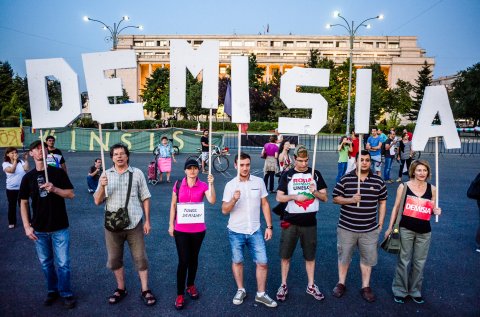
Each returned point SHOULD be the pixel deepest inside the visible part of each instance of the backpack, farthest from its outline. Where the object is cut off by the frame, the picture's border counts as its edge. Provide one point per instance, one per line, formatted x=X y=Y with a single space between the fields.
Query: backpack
x=473 y=190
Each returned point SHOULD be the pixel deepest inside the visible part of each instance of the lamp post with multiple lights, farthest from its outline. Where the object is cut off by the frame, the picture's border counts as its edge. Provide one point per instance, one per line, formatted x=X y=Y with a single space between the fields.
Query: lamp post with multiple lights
x=352 y=31
x=114 y=33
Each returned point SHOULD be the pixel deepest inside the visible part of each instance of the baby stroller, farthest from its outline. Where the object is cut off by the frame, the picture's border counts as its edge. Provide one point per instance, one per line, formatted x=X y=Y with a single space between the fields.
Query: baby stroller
x=152 y=171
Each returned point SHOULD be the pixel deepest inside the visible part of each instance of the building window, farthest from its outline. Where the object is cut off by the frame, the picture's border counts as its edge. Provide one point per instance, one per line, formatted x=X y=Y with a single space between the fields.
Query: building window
x=327 y=44
x=261 y=54
x=368 y=44
x=149 y=43
x=274 y=54
x=314 y=44
x=197 y=42
x=276 y=44
x=224 y=43
x=341 y=44
x=262 y=43
x=148 y=54
x=288 y=43
x=302 y=44
x=356 y=44
x=381 y=45
x=138 y=43
x=393 y=45
x=249 y=43
x=163 y=43
x=237 y=43
x=301 y=54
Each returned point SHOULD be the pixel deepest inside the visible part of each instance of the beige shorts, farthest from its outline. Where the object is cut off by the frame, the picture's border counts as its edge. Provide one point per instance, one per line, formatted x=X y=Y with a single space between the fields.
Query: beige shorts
x=366 y=242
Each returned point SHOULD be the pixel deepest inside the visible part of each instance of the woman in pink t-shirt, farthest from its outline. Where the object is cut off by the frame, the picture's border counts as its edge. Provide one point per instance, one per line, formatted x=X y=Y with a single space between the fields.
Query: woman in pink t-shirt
x=189 y=233
x=270 y=153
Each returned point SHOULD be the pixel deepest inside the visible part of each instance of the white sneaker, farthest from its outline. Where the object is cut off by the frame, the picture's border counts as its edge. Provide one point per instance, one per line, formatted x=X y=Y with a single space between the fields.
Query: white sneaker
x=239 y=296
x=315 y=292
x=266 y=300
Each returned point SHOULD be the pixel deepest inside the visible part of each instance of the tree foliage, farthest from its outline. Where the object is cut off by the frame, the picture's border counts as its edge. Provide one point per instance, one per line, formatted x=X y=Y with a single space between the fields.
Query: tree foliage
x=156 y=92
x=423 y=80
x=466 y=94
x=13 y=96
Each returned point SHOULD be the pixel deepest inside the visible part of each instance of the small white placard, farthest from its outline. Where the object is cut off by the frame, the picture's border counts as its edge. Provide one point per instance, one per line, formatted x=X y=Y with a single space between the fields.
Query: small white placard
x=190 y=213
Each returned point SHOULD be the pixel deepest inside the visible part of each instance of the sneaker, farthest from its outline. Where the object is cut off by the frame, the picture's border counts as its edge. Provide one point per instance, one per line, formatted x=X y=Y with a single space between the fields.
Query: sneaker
x=13 y=226
x=179 y=302
x=282 y=293
x=399 y=299
x=192 y=292
x=399 y=180
x=69 y=302
x=389 y=181
x=418 y=300
x=315 y=292
x=51 y=298
x=266 y=300
x=91 y=191
x=477 y=250
x=239 y=296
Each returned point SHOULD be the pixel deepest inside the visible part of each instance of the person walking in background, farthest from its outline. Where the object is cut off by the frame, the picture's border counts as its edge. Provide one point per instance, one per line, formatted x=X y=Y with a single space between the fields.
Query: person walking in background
x=285 y=161
x=165 y=154
x=48 y=225
x=357 y=225
x=204 y=145
x=374 y=146
x=270 y=153
x=404 y=154
x=15 y=169
x=117 y=178
x=94 y=175
x=415 y=231
x=344 y=148
x=243 y=198
x=189 y=236
x=390 y=152
x=355 y=144
x=54 y=156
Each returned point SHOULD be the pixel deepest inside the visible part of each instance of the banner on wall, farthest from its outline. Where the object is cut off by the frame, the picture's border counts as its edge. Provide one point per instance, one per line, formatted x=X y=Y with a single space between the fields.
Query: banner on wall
x=79 y=139
x=11 y=137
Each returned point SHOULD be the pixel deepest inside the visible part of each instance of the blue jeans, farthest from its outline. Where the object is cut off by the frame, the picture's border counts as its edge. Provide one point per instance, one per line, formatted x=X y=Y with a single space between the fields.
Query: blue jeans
x=254 y=242
x=92 y=182
x=342 y=168
x=387 y=168
x=55 y=246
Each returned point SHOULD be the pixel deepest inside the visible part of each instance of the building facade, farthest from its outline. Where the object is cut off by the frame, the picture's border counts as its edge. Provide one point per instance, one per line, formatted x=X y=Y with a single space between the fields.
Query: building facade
x=399 y=56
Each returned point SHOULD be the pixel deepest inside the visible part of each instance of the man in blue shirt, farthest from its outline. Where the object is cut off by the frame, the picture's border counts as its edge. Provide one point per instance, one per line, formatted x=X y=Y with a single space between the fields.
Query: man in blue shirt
x=374 y=146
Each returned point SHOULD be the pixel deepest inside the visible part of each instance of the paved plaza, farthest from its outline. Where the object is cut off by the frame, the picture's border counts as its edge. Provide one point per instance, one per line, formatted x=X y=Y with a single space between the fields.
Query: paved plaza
x=451 y=286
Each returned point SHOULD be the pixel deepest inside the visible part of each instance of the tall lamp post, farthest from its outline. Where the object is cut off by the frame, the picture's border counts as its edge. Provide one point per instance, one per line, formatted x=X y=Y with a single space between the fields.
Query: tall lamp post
x=114 y=33
x=352 y=31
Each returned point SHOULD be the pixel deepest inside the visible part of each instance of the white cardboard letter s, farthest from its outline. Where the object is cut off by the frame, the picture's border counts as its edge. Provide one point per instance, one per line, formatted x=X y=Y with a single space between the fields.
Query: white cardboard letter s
x=42 y=116
x=100 y=88
x=435 y=100
x=298 y=76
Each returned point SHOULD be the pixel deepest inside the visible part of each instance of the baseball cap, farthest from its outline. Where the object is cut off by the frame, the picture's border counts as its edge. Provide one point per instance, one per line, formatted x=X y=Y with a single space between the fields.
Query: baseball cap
x=35 y=144
x=191 y=163
x=300 y=148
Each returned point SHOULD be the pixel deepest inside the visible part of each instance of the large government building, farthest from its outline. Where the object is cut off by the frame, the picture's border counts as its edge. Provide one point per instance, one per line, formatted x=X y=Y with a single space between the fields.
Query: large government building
x=399 y=56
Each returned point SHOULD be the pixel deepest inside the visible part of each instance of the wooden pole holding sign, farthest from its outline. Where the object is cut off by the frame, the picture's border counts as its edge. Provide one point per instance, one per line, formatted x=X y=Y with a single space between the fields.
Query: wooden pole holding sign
x=239 y=149
x=359 y=162
x=44 y=156
x=436 y=176
x=210 y=163
x=102 y=154
x=314 y=156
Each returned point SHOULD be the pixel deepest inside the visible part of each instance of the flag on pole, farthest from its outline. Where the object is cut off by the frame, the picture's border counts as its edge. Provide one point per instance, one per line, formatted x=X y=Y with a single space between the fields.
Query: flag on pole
x=227 y=104
x=268 y=27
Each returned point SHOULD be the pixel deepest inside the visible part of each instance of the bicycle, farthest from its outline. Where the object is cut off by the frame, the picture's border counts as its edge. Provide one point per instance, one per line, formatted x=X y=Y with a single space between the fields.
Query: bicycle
x=219 y=158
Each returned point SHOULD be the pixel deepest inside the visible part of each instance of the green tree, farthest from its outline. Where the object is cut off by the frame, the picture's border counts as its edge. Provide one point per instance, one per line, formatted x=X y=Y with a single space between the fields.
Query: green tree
x=423 y=80
x=398 y=102
x=156 y=92
x=466 y=94
x=194 y=98
x=260 y=98
x=6 y=83
x=379 y=101
x=54 y=90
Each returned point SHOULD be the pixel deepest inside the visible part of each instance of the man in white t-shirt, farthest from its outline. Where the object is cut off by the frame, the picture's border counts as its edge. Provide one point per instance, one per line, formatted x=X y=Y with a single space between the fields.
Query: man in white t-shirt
x=242 y=198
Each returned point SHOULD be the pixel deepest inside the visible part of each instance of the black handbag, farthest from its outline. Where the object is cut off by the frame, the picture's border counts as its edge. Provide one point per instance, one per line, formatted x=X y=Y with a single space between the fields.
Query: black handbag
x=391 y=243
x=118 y=220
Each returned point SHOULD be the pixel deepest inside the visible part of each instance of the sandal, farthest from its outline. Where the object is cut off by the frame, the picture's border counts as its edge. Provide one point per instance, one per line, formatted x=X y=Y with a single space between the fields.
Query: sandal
x=148 y=298
x=117 y=296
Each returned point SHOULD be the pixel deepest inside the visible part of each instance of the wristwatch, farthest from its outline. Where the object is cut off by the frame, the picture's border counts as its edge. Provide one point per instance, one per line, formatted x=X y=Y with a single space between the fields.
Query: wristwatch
x=270 y=227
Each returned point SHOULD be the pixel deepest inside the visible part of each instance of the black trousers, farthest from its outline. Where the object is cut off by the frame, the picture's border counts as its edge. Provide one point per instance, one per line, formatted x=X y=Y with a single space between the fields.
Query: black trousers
x=12 y=197
x=402 y=164
x=188 y=248
x=269 y=176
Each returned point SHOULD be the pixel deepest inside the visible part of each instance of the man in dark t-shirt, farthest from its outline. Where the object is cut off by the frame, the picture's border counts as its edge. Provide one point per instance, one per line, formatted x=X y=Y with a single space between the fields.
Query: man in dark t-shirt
x=204 y=143
x=54 y=156
x=302 y=191
x=48 y=226
x=94 y=175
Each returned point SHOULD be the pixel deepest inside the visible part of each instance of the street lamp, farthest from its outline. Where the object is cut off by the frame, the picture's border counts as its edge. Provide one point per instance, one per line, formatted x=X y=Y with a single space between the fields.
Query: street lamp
x=114 y=33
x=352 y=31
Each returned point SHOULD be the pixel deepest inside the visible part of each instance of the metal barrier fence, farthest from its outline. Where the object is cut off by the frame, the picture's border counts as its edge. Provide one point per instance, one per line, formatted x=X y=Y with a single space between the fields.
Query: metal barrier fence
x=329 y=143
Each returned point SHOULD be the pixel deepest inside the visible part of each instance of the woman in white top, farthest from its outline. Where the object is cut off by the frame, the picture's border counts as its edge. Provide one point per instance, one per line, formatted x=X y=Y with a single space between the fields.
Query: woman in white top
x=15 y=169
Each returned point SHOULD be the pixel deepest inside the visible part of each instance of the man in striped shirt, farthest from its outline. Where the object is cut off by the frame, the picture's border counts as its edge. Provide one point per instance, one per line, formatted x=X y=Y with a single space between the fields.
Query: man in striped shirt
x=358 y=226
